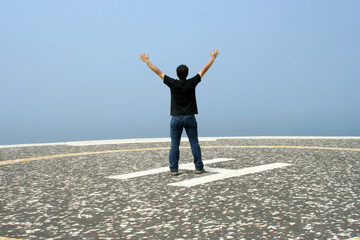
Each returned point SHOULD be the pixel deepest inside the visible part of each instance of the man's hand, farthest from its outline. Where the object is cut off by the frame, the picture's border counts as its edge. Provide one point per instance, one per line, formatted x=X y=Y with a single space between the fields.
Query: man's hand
x=214 y=53
x=143 y=56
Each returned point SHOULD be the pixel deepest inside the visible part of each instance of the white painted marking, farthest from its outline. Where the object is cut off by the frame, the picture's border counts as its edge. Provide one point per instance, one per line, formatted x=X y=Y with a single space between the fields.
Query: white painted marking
x=140 y=174
x=227 y=173
x=165 y=169
x=291 y=137
x=154 y=140
x=136 y=140
x=107 y=142
x=221 y=173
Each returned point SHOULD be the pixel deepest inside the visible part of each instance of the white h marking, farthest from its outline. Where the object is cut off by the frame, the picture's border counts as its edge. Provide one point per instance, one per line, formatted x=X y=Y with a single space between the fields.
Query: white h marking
x=221 y=173
x=164 y=169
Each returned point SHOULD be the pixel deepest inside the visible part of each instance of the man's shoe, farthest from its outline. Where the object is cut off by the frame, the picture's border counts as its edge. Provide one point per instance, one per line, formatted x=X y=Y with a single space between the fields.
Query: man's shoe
x=173 y=173
x=200 y=171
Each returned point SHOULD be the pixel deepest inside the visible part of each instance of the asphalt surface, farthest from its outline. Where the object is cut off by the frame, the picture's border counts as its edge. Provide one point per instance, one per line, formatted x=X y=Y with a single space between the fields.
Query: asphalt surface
x=65 y=190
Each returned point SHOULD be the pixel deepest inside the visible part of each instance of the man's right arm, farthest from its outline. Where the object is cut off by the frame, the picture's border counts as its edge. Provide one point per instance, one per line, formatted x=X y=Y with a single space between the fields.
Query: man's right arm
x=213 y=55
x=156 y=70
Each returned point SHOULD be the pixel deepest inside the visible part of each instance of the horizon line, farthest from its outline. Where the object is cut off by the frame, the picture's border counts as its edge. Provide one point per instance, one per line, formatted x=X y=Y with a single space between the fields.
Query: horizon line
x=152 y=140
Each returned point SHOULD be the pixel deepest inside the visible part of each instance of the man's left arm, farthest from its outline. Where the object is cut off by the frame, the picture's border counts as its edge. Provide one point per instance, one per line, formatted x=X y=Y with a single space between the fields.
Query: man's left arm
x=145 y=59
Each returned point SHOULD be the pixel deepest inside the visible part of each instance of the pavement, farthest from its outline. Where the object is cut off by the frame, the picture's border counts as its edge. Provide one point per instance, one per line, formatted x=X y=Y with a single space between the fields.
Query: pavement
x=254 y=188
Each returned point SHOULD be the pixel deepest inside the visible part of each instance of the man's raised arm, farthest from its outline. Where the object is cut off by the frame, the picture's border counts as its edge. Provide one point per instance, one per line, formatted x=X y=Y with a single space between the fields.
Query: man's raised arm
x=213 y=55
x=156 y=70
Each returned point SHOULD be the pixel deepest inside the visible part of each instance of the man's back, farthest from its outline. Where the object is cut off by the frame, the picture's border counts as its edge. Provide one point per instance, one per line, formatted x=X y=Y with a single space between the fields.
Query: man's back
x=183 y=96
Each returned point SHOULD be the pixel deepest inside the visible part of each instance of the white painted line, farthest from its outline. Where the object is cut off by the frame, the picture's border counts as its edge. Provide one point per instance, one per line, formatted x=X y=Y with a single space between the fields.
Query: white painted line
x=140 y=174
x=292 y=137
x=136 y=140
x=108 y=142
x=164 y=169
x=227 y=173
x=156 y=140
x=31 y=145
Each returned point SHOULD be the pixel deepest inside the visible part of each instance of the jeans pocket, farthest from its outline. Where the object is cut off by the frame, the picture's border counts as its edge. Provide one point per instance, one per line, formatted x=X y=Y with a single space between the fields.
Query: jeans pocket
x=192 y=123
x=175 y=122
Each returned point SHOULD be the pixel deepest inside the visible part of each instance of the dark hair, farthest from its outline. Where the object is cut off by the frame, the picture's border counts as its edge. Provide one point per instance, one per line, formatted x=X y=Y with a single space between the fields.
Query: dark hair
x=182 y=71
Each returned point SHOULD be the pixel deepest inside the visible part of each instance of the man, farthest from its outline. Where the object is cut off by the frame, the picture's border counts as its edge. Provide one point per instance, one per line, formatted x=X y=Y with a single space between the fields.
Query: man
x=183 y=110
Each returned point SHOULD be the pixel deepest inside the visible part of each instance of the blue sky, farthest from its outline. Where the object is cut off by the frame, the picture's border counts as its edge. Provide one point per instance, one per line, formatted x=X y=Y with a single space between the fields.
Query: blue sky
x=70 y=69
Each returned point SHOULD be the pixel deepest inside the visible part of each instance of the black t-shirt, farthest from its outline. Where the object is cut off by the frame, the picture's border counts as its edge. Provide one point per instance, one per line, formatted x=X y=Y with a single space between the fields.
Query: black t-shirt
x=183 y=98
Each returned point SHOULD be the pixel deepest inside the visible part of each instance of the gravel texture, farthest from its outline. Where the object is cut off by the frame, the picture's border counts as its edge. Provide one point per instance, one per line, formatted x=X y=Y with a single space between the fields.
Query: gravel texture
x=71 y=197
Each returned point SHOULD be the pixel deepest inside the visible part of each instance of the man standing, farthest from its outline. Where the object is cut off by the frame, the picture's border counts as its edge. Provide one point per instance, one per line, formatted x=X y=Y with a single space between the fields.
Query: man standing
x=183 y=110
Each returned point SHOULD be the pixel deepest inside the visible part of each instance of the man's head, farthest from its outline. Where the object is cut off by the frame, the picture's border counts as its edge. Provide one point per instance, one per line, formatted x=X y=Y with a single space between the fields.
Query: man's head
x=182 y=71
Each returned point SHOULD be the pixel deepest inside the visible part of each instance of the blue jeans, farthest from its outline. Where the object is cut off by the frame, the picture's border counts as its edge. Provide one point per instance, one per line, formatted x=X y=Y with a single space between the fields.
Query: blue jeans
x=177 y=124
